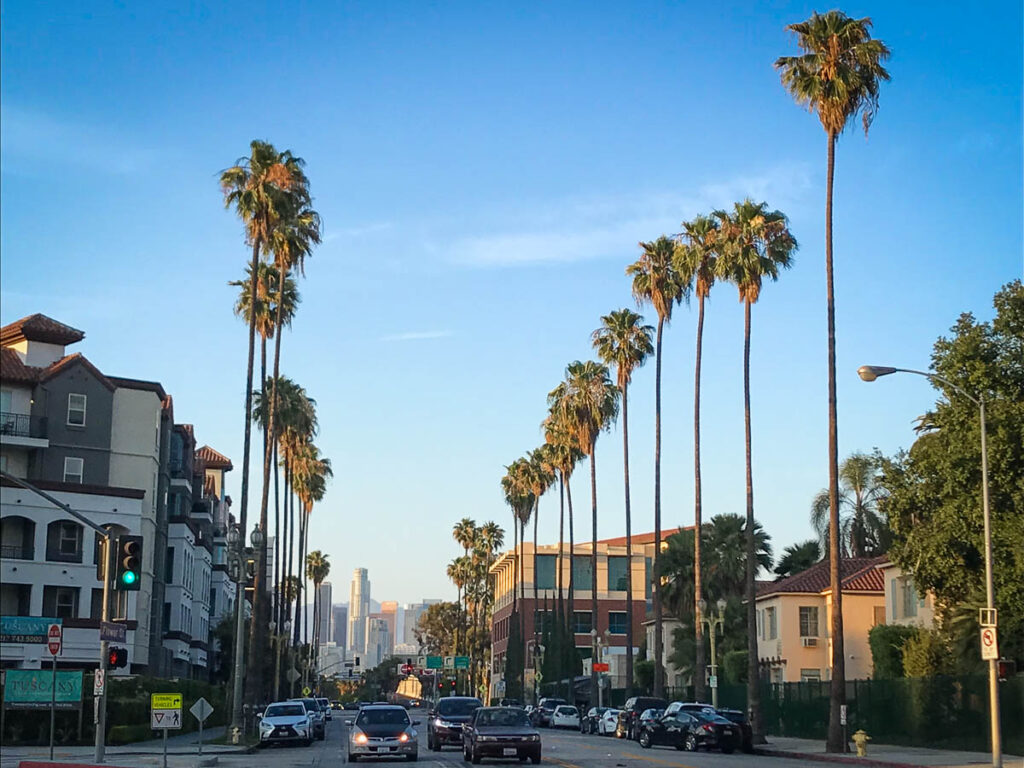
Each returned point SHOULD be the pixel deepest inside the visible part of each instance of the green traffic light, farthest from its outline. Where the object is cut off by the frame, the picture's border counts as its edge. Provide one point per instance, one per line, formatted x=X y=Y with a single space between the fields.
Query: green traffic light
x=129 y=577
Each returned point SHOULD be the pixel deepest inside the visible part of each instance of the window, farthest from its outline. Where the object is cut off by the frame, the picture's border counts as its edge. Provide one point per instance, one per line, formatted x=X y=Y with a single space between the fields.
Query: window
x=808 y=621
x=5 y=400
x=74 y=469
x=581 y=573
x=76 y=410
x=3 y=463
x=546 y=571
x=69 y=540
x=879 y=615
x=582 y=622
x=771 y=624
x=617 y=567
x=96 y=606
x=167 y=617
x=61 y=602
x=543 y=621
x=617 y=622
x=909 y=597
x=760 y=623
x=810 y=675
x=169 y=566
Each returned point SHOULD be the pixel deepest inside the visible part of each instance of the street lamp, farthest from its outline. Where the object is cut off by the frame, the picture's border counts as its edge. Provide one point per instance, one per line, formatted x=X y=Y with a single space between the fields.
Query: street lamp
x=597 y=643
x=713 y=622
x=872 y=372
x=236 y=567
x=278 y=639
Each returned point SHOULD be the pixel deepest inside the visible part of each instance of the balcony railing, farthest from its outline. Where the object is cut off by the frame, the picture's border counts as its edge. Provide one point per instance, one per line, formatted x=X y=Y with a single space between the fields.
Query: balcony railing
x=15 y=552
x=180 y=469
x=22 y=425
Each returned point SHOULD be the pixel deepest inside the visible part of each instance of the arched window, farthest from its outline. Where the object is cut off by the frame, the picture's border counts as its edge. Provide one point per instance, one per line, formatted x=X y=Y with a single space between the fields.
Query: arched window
x=17 y=538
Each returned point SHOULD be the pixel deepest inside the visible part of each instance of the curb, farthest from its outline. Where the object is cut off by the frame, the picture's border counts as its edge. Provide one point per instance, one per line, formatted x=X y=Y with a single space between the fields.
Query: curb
x=821 y=758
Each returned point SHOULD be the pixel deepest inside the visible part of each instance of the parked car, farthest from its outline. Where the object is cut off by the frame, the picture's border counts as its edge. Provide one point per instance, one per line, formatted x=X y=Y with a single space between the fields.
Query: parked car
x=545 y=707
x=676 y=729
x=285 y=722
x=606 y=725
x=688 y=706
x=449 y=714
x=716 y=732
x=740 y=719
x=588 y=723
x=382 y=731
x=325 y=707
x=510 y=703
x=650 y=715
x=501 y=732
x=629 y=718
x=565 y=716
x=316 y=716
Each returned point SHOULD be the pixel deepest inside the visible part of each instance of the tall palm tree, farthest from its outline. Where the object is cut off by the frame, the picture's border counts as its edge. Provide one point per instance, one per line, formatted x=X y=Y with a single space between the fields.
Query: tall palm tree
x=838 y=76
x=656 y=282
x=695 y=259
x=541 y=476
x=464 y=533
x=490 y=540
x=318 y=567
x=757 y=245
x=263 y=188
x=625 y=342
x=589 y=406
x=863 y=530
x=310 y=475
x=797 y=558
x=518 y=496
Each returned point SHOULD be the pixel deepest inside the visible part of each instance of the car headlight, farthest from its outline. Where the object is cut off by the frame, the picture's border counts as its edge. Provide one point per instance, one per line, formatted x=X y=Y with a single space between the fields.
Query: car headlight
x=533 y=737
x=403 y=737
x=265 y=726
x=359 y=737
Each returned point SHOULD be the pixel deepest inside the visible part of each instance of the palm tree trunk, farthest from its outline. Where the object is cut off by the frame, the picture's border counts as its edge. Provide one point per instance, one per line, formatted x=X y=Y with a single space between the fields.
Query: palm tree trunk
x=561 y=621
x=278 y=614
x=698 y=677
x=837 y=686
x=659 y=641
x=753 y=679
x=570 y=613
x=593 y=569
x=515 y=561
x=536 y=512
x=629 y=545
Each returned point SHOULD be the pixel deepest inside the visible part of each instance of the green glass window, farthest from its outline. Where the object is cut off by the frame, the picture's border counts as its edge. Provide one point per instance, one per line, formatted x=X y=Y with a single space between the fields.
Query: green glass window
x=617 y=622
x=617 y=567
x=546 y=571
x=582 y=622
x=581 y=573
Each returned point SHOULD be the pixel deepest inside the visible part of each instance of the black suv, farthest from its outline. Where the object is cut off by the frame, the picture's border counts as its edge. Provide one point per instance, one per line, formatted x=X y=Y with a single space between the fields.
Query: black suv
x=448 y=715
x=629 y=718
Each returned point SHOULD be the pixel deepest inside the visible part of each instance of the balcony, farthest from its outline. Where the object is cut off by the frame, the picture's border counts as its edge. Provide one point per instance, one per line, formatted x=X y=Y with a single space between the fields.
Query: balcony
x=23 y=429
x=16 y=552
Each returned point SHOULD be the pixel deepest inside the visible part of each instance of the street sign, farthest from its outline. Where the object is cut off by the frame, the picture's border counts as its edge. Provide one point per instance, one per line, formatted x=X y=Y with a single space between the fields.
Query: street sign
x=713 y=681
x=406 y=669
x=112 y=632
x=306 y=690
x=988 y=617
x=98 y=680
x=421 y=662
x=462 y=662
x=539 y=677
x=201 y=710
x=292 y=675
x=54 y=639
x=600 y=666
x=842 y=714
x=449 y=662
x=165 y=701
x=434 y=662
x=163 y=719
x=989 y=644
x=33 y=689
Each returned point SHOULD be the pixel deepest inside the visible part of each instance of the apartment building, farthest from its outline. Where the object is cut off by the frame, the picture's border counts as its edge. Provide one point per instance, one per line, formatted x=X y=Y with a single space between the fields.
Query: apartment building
x=794 y=619
x=903 y=603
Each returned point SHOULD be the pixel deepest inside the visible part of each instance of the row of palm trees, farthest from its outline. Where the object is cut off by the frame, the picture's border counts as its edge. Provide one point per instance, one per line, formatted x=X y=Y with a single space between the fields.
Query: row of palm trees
x=270 y=193
x=837 y=76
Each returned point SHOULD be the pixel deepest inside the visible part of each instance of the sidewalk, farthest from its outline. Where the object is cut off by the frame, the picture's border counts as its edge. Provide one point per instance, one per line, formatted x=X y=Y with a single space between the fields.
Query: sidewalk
x=882 y=755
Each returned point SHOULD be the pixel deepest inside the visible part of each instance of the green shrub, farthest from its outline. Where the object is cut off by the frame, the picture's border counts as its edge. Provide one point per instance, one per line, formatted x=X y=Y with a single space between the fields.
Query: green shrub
x=925 y=655
x=127 y=734
x=887 y=643
x=734 y=667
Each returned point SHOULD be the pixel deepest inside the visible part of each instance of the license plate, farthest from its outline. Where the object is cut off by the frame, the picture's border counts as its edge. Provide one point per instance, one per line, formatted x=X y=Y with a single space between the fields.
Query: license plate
x=509 y=751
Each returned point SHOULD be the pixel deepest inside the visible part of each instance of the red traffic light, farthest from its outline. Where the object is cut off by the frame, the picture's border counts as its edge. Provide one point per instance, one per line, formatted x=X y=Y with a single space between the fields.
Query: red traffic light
x=1006 y=668
x=117 y=658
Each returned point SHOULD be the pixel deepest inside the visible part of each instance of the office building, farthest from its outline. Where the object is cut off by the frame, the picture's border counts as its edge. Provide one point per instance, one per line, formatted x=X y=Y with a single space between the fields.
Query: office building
x=358 y=610
x=325 y=613
x=340 y=636
x=378 y=641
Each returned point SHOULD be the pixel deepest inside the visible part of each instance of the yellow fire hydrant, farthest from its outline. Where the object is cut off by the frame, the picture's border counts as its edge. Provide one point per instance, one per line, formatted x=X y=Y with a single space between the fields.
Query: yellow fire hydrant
x=861 y=739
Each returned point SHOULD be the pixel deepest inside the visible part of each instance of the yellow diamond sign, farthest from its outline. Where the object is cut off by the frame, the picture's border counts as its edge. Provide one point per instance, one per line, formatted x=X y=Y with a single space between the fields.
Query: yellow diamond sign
x=165 y=701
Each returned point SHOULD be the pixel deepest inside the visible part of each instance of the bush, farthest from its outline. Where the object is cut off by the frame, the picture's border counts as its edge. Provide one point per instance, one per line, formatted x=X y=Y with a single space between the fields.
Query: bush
x=888 y=643
x=925 y=655
x=126 y=734
x=734 y=667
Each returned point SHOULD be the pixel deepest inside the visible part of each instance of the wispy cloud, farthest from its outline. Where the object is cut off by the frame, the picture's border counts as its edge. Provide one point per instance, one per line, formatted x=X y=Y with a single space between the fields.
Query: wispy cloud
x=593 y=228
x=417 y=336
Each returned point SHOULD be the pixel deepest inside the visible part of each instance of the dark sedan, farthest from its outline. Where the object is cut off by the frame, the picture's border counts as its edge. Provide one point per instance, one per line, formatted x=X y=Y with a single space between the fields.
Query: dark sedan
x=678 y=729
x=444 y=725
x=740 y=719
x=715 y=732
x=500 y=732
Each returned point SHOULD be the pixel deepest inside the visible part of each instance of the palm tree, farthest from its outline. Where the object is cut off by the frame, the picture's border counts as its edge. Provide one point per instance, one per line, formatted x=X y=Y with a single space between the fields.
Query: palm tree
x=863 y=531
x=838 y=76
x=311 y=471
x=757 y=244
x=317 y=569
x=540 y=477
x=798 y=557
x=623 y=341
x=490 y=539
x=464 y=533
x=589 y=406
x=656 y=282
x=695 y=260
x=519 y=497
x=262 y=188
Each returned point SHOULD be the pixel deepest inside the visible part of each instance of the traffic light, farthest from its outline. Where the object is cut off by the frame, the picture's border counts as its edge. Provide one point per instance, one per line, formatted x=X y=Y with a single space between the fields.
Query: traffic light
x=117 y=658
x=440 y=685
x=1006 y=668
x=128 y=570
x=453 y=687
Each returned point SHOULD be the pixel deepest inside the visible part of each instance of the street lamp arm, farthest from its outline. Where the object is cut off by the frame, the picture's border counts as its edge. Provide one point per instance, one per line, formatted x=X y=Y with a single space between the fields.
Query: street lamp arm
x=871 y=372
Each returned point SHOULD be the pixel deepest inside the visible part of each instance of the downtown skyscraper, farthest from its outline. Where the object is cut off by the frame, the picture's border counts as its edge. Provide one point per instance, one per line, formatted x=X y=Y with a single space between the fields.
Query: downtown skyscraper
x=358 y=610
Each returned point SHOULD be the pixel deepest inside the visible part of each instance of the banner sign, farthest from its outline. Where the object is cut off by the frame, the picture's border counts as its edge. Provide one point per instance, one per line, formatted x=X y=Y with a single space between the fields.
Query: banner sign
x=30 y=689
x=25 y=629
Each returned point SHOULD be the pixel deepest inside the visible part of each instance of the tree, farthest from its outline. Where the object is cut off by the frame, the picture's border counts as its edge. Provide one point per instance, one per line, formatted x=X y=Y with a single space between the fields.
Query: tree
x=318 y=567
x=435 y=630
x=540 y=477
x=656 y=282
x=838 y=76
x=589 y=405
x=756 y=244
x=623 y=341
x=695 y=259
x=934 y=501
x=863 y=531
x=310 y=475
x=798 y=557
x=516 y=488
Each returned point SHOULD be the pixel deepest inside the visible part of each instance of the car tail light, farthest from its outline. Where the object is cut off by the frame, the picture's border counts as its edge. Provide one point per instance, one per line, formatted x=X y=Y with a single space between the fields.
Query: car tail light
x=708 y=729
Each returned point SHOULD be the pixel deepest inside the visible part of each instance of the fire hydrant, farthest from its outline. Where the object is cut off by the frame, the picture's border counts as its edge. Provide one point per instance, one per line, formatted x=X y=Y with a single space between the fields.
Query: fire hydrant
x=861 y=739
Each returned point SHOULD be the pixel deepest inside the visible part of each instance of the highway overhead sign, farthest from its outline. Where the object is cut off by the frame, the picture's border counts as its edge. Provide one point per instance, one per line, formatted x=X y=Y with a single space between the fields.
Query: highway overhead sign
x=434 y=662
x=449 y=662
x=989 y=644
x=462 y=662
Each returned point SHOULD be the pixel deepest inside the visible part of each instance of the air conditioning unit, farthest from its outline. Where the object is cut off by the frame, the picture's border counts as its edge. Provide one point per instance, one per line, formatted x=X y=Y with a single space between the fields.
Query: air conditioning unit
x=810 y=642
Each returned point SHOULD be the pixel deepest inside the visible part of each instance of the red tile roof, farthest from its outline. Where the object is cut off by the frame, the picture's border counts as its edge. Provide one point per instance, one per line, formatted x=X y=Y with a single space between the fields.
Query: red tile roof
x=213 y=459
x=12 y=370
x=39 y=327
x=148 y=386
x=639 y=538
x=76 y=359
x=857 y=574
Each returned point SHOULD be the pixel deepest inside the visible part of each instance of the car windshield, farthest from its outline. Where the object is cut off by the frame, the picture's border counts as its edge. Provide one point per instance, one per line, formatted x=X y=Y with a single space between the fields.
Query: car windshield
x=382 y=717
x=736 y=717
x=566 y=710
x=458 y=707
x=310 y=705
x=285 y=710
x=507 y=717
x=708 y=717
x=552 y=703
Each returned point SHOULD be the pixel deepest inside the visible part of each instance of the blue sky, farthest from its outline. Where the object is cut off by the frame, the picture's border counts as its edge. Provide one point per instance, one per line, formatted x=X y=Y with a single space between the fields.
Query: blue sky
x=484 y=172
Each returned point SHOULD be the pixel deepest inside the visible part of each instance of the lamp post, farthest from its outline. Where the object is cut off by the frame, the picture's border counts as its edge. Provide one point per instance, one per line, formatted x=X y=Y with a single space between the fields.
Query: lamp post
x=872 y=372
x=236 y=569
x=714 y=621
x=538 y=675
x=599 y=641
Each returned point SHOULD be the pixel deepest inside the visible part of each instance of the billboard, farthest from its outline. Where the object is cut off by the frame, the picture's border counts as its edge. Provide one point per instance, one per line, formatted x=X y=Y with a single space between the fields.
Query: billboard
x=30 y=688
x=25 y=629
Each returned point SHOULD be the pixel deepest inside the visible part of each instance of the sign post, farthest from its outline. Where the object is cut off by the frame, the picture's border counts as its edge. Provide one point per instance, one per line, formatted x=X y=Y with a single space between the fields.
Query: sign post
x=989 y=644
x=54 y=640
x=164 y=714
x=200 y=711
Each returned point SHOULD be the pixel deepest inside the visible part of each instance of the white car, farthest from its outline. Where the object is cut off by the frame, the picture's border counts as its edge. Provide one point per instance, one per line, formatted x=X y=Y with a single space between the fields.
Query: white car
x=607 y=723
x=565 y=716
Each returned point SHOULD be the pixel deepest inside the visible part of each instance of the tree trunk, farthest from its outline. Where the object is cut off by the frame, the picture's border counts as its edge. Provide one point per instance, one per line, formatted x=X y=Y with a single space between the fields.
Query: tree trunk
x=629 y=544
x=515 y=561
x=571 y=610
x=753 y=678
x=536 y=514
x=560 y=564
x=278 y=613
x=698 y=677
x=837 y=686
x=659 y=640
x=593 y=571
